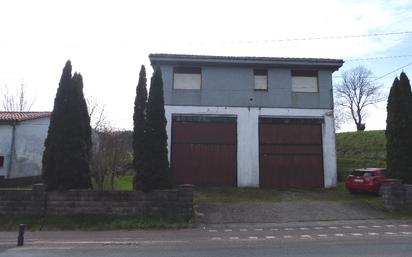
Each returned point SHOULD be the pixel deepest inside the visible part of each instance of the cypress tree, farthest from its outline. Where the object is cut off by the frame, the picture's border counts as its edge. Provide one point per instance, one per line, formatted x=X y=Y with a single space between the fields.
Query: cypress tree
x=139 y=118
x=156 y=172
x=67 y=146
x=398 y=130
x=81 y=124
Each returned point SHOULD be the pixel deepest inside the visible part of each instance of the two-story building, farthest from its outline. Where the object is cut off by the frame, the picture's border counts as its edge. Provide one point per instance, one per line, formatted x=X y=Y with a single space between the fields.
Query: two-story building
x=250 y=121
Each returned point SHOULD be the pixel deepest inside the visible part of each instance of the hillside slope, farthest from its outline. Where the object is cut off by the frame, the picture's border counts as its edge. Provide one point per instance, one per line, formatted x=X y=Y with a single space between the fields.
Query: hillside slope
x=360 y=149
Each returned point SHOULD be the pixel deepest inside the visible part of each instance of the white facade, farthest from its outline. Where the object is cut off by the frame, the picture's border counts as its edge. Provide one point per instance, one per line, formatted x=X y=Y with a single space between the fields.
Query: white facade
x=248 y=136
x=23 y=155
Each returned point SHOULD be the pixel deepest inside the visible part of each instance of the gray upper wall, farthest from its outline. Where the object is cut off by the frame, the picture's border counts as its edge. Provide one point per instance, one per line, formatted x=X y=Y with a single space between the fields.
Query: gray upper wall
x=229 y=81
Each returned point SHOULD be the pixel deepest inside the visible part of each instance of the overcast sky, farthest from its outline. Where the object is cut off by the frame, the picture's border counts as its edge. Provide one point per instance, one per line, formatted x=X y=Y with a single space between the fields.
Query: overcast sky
x=107 y=41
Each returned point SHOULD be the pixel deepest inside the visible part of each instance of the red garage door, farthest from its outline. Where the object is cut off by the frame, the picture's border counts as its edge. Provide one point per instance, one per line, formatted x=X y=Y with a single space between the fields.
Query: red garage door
x=204 y=150
x=290 y=153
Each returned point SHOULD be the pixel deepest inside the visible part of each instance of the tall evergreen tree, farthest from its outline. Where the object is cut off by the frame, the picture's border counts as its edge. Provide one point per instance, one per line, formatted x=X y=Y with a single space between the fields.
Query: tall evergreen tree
x=67 y=146
x=398 y=130
x=139 y=118
x=156 y=172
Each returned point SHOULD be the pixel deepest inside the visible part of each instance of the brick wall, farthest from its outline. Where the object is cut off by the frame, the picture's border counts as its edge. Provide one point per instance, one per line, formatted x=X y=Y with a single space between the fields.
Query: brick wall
x=163 y=203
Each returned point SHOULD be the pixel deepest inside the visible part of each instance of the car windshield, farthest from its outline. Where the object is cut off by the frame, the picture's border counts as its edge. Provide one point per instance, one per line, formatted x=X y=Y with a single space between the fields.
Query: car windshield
x=362 y=173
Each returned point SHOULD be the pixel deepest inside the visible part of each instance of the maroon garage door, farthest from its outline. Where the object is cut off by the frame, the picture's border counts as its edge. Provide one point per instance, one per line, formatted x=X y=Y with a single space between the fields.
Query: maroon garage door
x=290 y=153
x=204 y=150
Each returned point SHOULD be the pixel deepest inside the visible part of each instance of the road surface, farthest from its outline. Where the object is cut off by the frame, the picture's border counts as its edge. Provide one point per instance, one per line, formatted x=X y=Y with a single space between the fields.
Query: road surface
x=346 y=238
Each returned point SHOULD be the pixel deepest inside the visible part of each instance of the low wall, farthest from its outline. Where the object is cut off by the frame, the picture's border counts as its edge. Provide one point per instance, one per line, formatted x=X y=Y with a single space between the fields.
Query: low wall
x=395 y=195
x=162 y=203
x=21 y=181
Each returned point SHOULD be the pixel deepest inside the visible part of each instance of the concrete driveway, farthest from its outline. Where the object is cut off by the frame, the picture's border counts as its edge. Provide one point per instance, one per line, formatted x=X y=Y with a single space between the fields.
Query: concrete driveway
x=285 y=211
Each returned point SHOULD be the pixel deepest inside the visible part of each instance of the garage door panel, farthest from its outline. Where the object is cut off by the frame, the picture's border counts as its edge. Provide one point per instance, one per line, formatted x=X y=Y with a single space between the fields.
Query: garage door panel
x=191 y=132
x=289 y=134
x=204 y=165
x=291 y=153
x=290 y=149
x=204 y=153
x=285 y=171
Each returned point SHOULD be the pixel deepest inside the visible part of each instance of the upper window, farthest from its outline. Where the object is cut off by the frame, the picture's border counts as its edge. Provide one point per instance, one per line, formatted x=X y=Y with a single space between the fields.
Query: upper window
x=305 y=81
x=261 y=79
x=187 y=78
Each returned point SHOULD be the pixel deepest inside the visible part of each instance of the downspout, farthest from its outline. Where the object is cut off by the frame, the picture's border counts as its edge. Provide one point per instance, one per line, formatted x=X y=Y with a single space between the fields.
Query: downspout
x=13 y=136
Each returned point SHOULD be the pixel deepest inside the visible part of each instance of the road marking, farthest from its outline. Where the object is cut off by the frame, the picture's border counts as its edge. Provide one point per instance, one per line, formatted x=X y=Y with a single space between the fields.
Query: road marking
x=303 y=228
x=340 y=235
x=233 y=238
x=332 y=227
x=318 y=228
x=403 y=225
x=389 y=233
x=356 y=234
x=228 y=230
x=270 y=237
x=373 y=234
x=253 y=237
x=377 y=226
x=288 y=236
x=243 y=229
x=390 y=226
x=288 y=229
x=347 y=226
x=322 y=235
x=274 y=229
x=362 y=227
x=406 y=233
x=216 y=238
x=258 y=229
x=212 y=230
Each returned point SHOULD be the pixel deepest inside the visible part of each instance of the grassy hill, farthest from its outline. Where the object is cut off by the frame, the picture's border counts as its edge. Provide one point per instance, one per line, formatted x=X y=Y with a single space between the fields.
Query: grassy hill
x=360 y=149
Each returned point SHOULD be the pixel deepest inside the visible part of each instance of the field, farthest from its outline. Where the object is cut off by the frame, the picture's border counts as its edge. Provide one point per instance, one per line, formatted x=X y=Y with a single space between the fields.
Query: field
x=360 y=149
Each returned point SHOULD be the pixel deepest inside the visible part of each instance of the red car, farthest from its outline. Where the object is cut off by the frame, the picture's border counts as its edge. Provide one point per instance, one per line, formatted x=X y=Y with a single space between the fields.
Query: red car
x=365 y=180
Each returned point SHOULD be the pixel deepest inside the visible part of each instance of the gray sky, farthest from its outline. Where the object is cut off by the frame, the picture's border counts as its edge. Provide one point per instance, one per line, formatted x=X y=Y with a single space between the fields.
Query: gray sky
x=107 y=41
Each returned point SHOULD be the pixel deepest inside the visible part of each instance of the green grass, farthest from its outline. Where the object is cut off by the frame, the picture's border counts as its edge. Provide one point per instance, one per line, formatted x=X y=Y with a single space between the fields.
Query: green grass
x=360 y=149
x=120 y=183
x=90 y=222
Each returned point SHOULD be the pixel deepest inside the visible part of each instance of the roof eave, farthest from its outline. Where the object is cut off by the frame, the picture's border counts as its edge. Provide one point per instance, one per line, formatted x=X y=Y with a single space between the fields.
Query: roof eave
x=308 y=63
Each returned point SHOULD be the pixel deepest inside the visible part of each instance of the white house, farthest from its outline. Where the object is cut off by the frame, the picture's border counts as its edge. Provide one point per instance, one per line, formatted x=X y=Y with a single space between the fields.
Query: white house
x=249 y=121
x=22 y=136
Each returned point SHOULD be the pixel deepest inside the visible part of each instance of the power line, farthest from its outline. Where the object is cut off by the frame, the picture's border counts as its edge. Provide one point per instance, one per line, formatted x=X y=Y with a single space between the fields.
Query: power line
x=377 y=58
x=386 y=74
x=315 y=38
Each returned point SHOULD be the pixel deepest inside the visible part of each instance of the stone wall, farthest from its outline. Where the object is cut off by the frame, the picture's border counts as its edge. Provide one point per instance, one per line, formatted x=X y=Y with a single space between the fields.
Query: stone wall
x=395 y=195
x=161 y=203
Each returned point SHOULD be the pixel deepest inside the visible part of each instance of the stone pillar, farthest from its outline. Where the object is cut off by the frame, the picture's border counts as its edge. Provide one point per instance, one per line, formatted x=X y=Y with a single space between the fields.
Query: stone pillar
x=393 y=194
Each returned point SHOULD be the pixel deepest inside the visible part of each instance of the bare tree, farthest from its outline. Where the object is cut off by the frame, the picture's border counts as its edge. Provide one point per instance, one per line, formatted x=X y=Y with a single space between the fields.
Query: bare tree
x=356 y=92
x=16 y=100
x=111 y=152
x=97 y=113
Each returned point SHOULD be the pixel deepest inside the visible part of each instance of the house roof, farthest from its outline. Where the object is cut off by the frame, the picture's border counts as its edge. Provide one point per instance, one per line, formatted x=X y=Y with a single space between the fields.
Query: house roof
x=183 y=59
x=22 y=116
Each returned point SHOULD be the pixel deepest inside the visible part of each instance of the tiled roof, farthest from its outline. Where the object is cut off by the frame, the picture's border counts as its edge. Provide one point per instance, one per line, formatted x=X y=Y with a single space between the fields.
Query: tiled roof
x=243 y=58
x=22 y=116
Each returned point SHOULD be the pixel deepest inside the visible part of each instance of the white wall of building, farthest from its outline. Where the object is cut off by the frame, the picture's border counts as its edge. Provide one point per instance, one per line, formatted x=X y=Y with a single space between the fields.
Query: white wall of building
x=5 y=143
x=248 y=136
x=28 y=147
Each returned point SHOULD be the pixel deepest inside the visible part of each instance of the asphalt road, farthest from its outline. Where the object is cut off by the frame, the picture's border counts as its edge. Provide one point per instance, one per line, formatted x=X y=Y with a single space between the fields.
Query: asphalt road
x=348 y=238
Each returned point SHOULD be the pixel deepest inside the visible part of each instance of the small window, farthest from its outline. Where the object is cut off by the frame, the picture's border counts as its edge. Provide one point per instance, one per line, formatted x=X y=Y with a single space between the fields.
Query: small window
x=261 y=79
x=305 y=81
x=187 y=78
x=1 y=161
